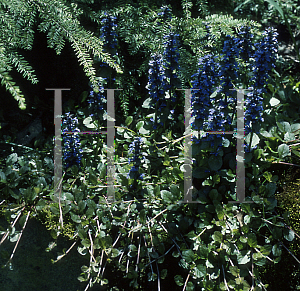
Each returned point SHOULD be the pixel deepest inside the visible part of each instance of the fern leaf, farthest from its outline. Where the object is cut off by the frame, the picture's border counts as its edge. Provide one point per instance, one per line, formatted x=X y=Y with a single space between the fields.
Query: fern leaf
x=22 y=66
x=6 y=80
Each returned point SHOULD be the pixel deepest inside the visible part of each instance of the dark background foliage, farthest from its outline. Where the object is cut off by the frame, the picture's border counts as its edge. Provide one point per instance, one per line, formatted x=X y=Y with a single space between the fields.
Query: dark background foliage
x=63 y=71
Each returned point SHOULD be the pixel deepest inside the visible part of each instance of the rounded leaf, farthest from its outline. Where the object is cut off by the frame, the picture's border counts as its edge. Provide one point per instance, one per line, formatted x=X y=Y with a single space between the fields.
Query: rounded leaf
x=215 y=163
x=179 y=280
x=283 y=151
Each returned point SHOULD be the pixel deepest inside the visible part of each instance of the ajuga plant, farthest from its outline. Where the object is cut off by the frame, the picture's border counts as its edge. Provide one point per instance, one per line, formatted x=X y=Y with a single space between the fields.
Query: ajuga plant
x=108 y=31
x=108 y=35
x=72 y=152
x=203 y=84
x=165 y=14
x=96 y=99
x=157 y=88
x=163 y=80
x=136 y=159
x=135 y=151
x=248 y=245
x=264 y=59
x=97 y=103
x=60 y=20
x=151 y=241
x=172 y=69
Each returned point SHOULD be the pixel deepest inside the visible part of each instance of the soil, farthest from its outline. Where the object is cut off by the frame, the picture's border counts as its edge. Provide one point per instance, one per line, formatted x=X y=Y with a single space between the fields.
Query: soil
x=32 y=268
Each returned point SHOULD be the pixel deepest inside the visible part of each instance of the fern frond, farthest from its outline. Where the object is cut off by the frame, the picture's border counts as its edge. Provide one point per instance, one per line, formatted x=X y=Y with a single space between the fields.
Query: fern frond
x=60 y=20
x=67 y=26
x=6 y=80
x=22 y=66
x=85 y=61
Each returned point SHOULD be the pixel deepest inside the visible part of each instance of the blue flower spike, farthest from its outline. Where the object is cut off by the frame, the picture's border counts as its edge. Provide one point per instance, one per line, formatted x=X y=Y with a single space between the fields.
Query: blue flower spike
x=72 y=153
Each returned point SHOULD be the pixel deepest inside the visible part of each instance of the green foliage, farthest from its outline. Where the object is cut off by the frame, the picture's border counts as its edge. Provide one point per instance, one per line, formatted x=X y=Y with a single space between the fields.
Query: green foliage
x=147 y=235
x=60 y=20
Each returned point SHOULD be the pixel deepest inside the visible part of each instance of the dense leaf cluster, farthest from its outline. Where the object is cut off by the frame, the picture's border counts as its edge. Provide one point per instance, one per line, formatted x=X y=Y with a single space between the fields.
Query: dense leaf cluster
x=147 y=237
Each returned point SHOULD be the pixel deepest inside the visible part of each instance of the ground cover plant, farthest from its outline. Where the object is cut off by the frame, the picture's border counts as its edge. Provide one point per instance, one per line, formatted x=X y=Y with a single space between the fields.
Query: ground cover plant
x=135 y=241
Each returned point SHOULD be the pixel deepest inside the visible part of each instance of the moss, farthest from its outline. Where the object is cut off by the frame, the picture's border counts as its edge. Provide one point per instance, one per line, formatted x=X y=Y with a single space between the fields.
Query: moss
x=289 y=200
x=51 y=221
x=285 y=275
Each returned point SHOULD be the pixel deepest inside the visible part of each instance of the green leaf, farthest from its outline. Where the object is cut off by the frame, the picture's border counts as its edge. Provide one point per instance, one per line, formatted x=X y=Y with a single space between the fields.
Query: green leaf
x=54 y=209
x=88 y=122
x=283 y=151
x=2 y=177
x=217 y=236
x=84 y=95
x=225 y=143
x=215 y=162
x=274 y=101
x=14 y=237
x=11 y=159
x=274 y=3
x=142 y=130
x=276 y=250
x=102 y=170
x=214 y=195
x=243 y=257
x=295 y=128
x=146 y=103
x=75 y=217
x=234 y=270
x=255 y=139
x=243 y=239
x=191 y=235
x=128 y=120
x=86 y=243
x=114 y=253
x=67 y=196
x=288 y=234
x=29 y=194
x=200 y=173
x=270 y=189
x=200 y=271
x=202 y=252
x=82 y=233
x=209 y=264
x=277 y=233
x=179 y=280
x=188 y=256
x=288 y=136
x=265 y=133
x=81 y=206
x=266 y=250
x=167 y=196
x=189 y=286
x=252 y=240
x=82 y=250
x=139 y=124
x=163 y=273
x=284 y=126
x=220 y=211
x=175 y=191
x=92 y=204
x=238 y=7
x=259 y=260
x=247 y=219
x=22 y=220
